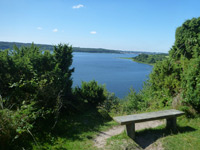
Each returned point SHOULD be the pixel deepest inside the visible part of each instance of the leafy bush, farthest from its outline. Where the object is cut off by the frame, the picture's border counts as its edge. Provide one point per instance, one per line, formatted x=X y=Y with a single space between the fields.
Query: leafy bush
x=187 y=40
x=15 y=126
x=191 y=84
x=166 y=77
x=178 y=74
x=36 y=87
x=111 y=103
x=90 y=93
x=133 y=102
x=30 y=74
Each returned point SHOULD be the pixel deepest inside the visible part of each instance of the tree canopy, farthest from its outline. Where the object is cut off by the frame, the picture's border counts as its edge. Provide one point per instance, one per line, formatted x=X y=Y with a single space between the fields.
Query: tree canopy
x=179 y=74
x=150 y=58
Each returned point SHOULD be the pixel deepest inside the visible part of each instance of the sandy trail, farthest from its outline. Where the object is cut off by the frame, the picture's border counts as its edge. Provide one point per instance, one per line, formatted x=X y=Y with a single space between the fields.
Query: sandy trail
x=100 y=140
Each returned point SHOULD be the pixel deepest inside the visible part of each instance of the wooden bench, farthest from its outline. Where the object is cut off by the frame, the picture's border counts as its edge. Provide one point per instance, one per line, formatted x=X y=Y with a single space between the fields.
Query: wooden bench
x=130 y=120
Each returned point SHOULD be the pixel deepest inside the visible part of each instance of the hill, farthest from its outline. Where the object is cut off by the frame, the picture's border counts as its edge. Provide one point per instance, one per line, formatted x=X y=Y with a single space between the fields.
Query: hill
x=9 y=45
x=150 y=58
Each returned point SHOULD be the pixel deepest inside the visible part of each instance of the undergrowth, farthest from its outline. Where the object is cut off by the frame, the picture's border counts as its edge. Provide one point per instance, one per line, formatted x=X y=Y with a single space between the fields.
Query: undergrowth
x=76 y=132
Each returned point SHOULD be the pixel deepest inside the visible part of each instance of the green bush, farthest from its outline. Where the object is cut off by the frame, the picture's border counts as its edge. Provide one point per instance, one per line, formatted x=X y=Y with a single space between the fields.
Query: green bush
x=187 y=40
x=191 y=84
x=36 y=86
x=133 y=102
x=90 y=93
x=178 y=74
x=15 y=126
x=31 y=74
x=111 y=102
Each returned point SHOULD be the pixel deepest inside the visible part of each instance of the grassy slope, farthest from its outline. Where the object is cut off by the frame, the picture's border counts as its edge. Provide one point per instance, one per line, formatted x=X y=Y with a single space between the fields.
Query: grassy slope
x=79 y=134
x=75 y=133
x=186 y=137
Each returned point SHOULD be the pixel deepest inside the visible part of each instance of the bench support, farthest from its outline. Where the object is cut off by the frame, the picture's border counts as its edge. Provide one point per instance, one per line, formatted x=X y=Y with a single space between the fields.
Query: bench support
x=171 y=123
x=130 y=129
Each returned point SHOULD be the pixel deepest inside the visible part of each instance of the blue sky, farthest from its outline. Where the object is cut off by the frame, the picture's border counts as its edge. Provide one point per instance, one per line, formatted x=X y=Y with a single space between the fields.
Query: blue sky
x=139 y=25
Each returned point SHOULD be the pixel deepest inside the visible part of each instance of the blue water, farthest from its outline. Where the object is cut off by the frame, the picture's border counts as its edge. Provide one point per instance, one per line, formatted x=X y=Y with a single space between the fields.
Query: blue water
x=119 y=75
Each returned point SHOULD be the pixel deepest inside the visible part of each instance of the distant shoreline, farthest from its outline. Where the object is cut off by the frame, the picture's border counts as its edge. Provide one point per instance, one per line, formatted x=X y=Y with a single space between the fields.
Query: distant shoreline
x=135 y=60
x=9 y=45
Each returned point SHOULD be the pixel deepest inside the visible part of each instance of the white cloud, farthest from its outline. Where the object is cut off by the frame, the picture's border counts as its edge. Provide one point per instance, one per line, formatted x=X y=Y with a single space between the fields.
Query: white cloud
x=93 y=32
x=77 y=6
x=39 y=28
x=55 y=30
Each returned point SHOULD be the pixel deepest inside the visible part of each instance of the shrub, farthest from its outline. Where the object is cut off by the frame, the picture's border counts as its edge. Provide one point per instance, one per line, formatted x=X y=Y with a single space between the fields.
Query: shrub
x=30 y=74
x=15 y=126
x=90 y=93
x=36 y=87
x=133 y=102
x=111 y=102
x=179 y=74
x=191 y=84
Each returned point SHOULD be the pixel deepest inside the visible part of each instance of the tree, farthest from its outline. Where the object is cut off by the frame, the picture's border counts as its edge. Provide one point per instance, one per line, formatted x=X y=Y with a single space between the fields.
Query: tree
x=91 y=93
x=179 y=74
x=30 y=74
x=187 y=40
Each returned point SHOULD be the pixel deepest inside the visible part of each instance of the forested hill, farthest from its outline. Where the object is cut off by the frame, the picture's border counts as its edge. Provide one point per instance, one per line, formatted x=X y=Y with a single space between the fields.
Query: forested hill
x=9 y=45
x=150 y=58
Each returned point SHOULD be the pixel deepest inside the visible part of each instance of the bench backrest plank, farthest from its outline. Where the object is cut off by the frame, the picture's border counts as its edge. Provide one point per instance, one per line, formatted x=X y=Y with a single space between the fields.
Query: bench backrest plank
x=148 y=116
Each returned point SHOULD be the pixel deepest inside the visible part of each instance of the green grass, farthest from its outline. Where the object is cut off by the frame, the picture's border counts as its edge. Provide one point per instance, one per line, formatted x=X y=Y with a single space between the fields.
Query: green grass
x=120 y=142
x=78 y=132
x=75 y=132
x=188 y=138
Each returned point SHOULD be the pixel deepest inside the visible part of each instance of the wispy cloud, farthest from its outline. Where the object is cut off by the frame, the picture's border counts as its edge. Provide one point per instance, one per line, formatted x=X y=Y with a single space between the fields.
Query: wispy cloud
x=39 y=28
x=78 y=6
x=55 y=30
x=93 y=32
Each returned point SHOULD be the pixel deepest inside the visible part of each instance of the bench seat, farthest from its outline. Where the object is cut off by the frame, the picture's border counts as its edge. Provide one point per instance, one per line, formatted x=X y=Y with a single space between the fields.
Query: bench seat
x=130 y=120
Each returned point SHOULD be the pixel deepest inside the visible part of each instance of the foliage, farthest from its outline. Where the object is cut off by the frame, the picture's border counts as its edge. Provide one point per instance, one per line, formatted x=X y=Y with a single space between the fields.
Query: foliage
x=15 y=126
x=187 y=42
x=90 y=93
x=132 y=102
x=179 y=73
x=111 y=103
x=191 y=84
x=150 y=58
x=36 y=87
x=29 y=74
x=76 y=131
x=165 y=81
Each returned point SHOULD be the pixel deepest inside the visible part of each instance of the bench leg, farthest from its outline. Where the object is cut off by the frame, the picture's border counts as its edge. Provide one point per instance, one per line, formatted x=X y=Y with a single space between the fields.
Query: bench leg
x=171 y=123
x=130 y=129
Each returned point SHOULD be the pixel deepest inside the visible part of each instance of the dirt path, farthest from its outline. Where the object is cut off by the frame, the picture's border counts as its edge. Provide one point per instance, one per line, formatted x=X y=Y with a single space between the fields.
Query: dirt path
x=100 y=140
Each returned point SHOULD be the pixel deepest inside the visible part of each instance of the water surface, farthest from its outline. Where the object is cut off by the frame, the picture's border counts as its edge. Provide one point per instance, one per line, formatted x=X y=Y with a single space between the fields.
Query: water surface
x=119 y=75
